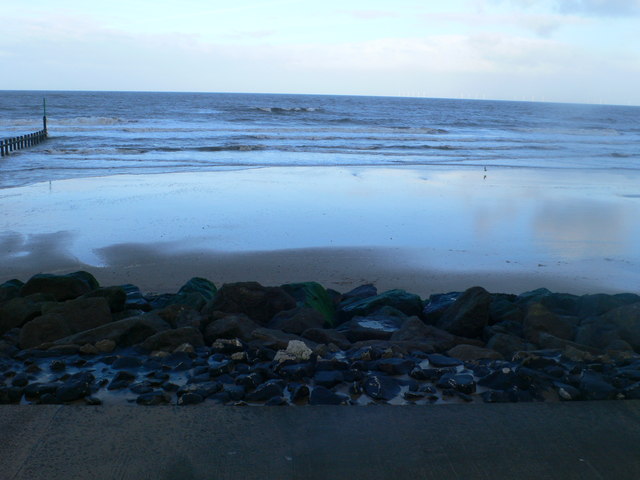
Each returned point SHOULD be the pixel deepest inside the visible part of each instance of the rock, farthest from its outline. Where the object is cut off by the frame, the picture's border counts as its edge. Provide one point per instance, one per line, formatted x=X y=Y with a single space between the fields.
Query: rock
x=323 y=396
x=539 y=319
x=153 y=398
x=62 y=287
x=135 y=300
x=360 y=293
x=61 y=320
x=314 y=296
x=595 y=387
x=379 y=325
x=407 y=303
x=169 y=340
x=394 y=366
x=196 y=293
x=228 y=345
x=567 y=392
x=259 y=303
x=597 y=332
x=126 y=362
x=105 y=346
x=328 y=378
x=115 y=296
x=507 y=345
x=437 y=305
x=78 y=386
x=276 y=339
x=16 y=312
x=461 y=382
x=471 y=352
x=559 y=303
x=190 y=399
x=501 y=379
x=327 y=336
x=627 y=319
x=10 y=289
x=380 y=387
x=600 y=303
x=265 y=391
x=441 y=361
x=413 y=329
x=88 y=349
x=230 y=326
x=503 y=309
x=468 y=315
x=297 y=320
x=124 y=333
x=296 y=351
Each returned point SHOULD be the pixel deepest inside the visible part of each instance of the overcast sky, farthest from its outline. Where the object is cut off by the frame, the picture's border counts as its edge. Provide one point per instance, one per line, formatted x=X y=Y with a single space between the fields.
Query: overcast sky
x=553 y=50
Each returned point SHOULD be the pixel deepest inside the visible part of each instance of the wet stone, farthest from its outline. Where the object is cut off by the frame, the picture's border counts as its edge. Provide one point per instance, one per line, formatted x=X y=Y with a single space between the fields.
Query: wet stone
x=300 y=393
x=380 y=387
x=265 y=391
x=276 y=402
x=123 y=363
x=394 y=366
x=57 y=366
x=153 y=398
x=121 y=380
x=190 y=399
x=20 y=380
x=438 y=360
x=463 y=383
x=141 y=387
x=567 y=392
x=220 y=367
x=323 y=396
x=328 y=378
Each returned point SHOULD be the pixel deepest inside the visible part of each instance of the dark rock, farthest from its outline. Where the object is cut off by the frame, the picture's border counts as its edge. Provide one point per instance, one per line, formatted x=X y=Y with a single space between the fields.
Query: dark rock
x=394 y=366
x=567 y=392
x=121 y=380
x=153 y=398
x=141 y=387
x=460 y=382
x=437 y=305
x=259 y=303
x=196 y=293
x=169 y=340
x=10 y=289
x=468 y=353
x=503 y=309
x=502 y=379
x=360 y=293
x=539 y=319
x=124 y=333
x=559 y=303
x=600 y=303
x=506 y=344
x=190 y=399
x=595 y=387
x=328 y=378
x=16 y=312
x=297 y=320
x=204 y=389
x=468 y=315
x=36 y=389
x=249 y=380
x=276 y=339
x=380 y=387
x=442 y=361
x=300 y=393
x=62 y=287
x=217 y=368
x=327 y=336
x=57 y=366
x=627 y=319
x=375 y=326
x=60 y=320
x=126 y=362
x=314 y=296
x=135 y=300
x=77 y=387
x=265 y=391
x=323 y=396
x=20 y=380
x=407 y=303
x=115 y=296
x=276 y=402
x=296 y=371
x=331 y=364
x=230 y=326
x=227 y=345
x=235 y=392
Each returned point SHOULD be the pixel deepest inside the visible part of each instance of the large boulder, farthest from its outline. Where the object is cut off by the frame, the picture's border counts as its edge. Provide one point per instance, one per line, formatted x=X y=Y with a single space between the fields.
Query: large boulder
x=597 y=332
x=297 y=320
x=62 y=287
x=230 y=326
x=196 y=293
x=469 y=314
x=375 y=326
x=18 y=311
x=115 y=296
x=314 y=296
x=125 y=333
x=327 y=336
x=259 y=303
x=169 y=340
x=60 y=320
x=600 y=303
x=276 y=339
x=627 y=319
x=540 y=319
x=507 y=344
x=407 y=303
x=10 y=289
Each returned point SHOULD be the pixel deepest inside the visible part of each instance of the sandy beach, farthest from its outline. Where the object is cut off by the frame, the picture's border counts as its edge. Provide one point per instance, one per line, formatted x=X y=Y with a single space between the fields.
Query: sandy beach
x=424 y=229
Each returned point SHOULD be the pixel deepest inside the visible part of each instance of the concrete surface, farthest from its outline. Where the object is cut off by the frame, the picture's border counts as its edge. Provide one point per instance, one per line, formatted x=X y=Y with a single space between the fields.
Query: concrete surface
x=588 y=440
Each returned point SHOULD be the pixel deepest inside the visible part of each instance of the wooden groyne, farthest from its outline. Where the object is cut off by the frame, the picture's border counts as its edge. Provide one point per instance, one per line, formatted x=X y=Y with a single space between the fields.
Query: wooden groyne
x=23 y=141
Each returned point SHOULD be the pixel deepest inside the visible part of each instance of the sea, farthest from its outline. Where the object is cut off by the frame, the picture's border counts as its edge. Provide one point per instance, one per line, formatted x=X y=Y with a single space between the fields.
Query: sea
x=111 y=133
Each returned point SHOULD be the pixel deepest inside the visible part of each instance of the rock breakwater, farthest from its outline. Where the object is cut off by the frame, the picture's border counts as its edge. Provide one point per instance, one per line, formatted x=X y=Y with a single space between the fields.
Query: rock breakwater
x=66 y=339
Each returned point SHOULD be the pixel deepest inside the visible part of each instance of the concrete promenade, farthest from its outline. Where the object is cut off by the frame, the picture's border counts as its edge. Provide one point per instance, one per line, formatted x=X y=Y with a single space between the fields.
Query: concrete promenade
x=582 y=440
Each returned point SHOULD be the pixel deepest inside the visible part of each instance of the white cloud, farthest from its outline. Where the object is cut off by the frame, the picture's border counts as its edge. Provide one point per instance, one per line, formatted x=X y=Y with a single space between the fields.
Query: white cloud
x=611 y=8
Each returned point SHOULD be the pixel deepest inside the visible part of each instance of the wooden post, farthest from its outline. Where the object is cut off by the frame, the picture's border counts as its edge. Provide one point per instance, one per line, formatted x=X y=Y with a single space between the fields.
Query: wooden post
x=44 y=116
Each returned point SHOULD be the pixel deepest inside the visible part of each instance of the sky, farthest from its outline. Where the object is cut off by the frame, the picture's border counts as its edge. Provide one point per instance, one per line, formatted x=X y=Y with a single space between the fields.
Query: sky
x=585 y=51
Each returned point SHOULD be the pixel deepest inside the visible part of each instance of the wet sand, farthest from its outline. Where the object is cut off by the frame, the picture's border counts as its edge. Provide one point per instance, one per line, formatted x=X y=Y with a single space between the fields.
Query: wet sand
x=424 y=229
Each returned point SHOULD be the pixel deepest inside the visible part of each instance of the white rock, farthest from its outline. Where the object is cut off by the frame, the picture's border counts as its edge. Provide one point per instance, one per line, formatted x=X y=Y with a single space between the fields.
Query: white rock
x=296 y=350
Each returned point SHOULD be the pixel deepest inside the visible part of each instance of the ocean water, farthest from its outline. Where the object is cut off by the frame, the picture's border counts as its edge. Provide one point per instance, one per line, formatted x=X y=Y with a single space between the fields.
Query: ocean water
x=107 y=133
